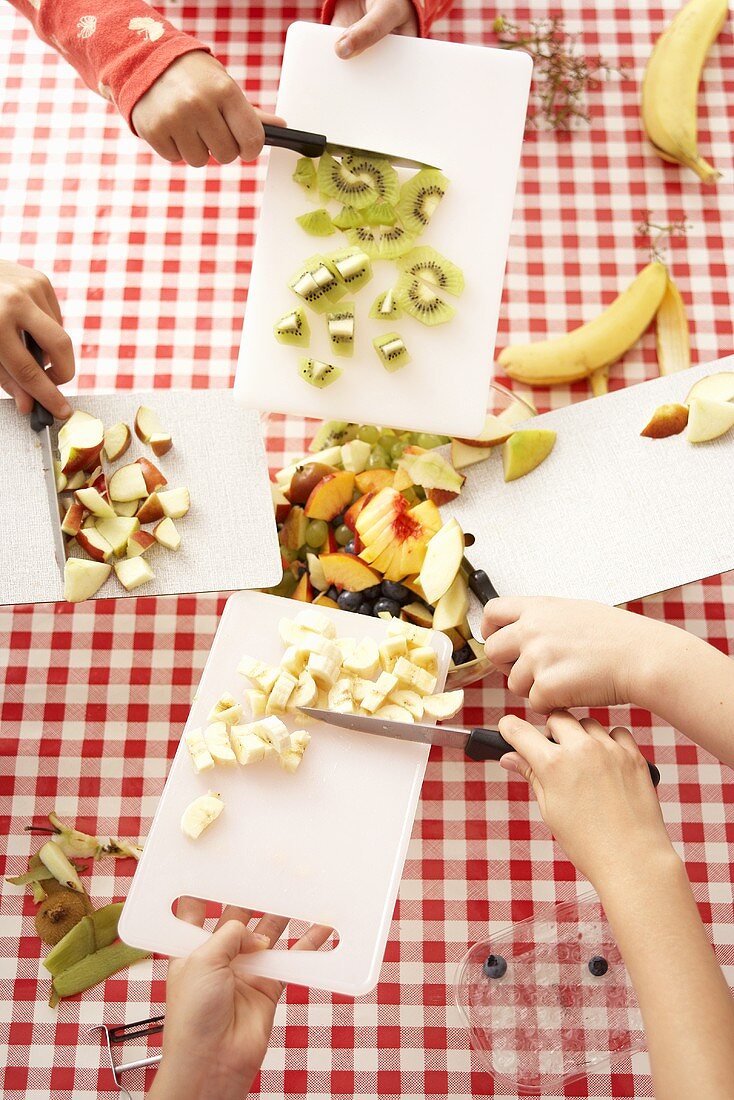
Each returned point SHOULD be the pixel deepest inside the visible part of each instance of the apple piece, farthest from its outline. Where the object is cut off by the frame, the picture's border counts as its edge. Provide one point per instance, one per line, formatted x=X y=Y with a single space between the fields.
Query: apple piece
x=175 y=502
x=160 y=443
x=166 y=534
x=80 y=442
x=371 y=481
x=430 y=470
x=98 y=481
x=117 y=439
x=73 y=518
x=117 y=531
x=152 y=476
x=61 y=479
x=281 y=504
x=355 y=455
x=90 y=540
x=139 y=542
x=666 y=420
x=463 y=456
x=125 y=508
x=128 y=483
x=714 y=387
x=442 y=561
x=330 y=496
x=305 y=479
x=494 y=432
x=708 y=420
x=440 y=496
x=348 y=573
x=303 y=590
x=518 y=411
x=76 y=481
x=148 y=426
x=293 y=531
x=316 y=573
x=525 y=450
x=417 y=613
x=151 y=510
x=82 y=578
x=90 y=520
x=95 y=503
x=452 y=607
x=132 y=572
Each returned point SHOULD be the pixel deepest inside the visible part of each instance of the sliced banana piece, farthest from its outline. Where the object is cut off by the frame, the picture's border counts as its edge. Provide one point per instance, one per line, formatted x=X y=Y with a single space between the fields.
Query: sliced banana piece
x=390 y=712
x=425 y=657
x=200 y=814
x=201 y=758
x=217 y=741
x=307 y=692
x=341 y=699
x=378 y=693
x=324 y=669
x=312 y=619
x=391 y=649
x=281 y=693
x=256 y=701
x=227 y=710
x=248 y=747
x=411 y=676
x=294 y=660
x=260 y=675
x=417 y=635
x=408 y=700
x=291 y=757
x=444 y=705
x=365 y=661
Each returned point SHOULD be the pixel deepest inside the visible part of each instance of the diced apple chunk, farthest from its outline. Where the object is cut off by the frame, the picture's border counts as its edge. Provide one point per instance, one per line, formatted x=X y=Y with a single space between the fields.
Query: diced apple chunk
x=128 y=483
x=93 y=543
x=116 y=441
x=95 y=503
x=175 y=502
x=82 y=578
x=139 y=542
x=132 y=572
x=118 y=532
x=166 y=534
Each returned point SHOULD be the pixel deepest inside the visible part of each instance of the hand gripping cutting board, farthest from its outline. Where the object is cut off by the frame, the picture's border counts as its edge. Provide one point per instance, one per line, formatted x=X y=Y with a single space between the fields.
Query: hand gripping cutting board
x=324 y=845
x=228 y=538
x=461 y=108
x=609 y=516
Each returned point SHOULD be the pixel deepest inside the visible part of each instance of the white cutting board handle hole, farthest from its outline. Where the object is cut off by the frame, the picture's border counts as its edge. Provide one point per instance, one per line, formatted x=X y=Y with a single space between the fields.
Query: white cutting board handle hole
x=294 y=930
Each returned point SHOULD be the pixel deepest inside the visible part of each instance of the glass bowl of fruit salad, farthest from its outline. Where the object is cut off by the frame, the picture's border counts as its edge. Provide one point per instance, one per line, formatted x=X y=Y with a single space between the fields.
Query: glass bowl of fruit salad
x=355 y=515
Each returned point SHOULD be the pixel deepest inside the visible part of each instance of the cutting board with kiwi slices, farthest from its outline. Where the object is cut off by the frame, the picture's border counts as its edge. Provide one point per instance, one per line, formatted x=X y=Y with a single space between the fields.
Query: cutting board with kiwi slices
x=610 y=515
x=411 y=98
x=228 y=537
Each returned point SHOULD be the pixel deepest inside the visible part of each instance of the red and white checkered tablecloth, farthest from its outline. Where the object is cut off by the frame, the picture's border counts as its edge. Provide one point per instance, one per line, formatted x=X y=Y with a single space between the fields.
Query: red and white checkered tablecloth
x=151 y=263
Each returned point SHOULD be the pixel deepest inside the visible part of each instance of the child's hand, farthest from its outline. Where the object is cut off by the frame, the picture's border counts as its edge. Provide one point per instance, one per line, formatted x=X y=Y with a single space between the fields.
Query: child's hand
x=594 y=792
x=570 y=653
x=28 y=303
x=367 y=21
x=195 y=108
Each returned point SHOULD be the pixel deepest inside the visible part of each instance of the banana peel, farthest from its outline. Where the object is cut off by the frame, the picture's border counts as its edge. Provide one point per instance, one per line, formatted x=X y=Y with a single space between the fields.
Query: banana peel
x=671 y=332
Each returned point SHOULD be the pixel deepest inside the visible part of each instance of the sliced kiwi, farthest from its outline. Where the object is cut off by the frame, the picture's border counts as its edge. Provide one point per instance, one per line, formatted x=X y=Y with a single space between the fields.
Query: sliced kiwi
x=385 y=307
x=391 y=350
x=352 y=266
x=377 y=173
x=318 y=374
x=316 y=222
x=348 y=218
x=381 y=242
x=305 y=174
x=380 y=213
x=419 y=301
x=293 y=328
x=336 y=181
x=340 y=324
x=419 y=197
x=318 y=284
x=431 y=267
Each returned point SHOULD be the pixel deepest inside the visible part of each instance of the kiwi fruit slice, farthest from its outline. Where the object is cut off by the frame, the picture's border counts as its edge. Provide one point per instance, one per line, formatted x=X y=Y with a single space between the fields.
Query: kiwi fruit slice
x=348 y=218
x=385 y=307
x=340 y=325
x=381 y=242
x=352 y=266
x=318 y=374
x=317 y=223
x=336 y=181
x=293 y=328
x=419 y=300
x=379 y=174
x=318 y=284
x=391 y=351
x=431 y=267
x=380 y=213
x=419 y=197
x=305 y=174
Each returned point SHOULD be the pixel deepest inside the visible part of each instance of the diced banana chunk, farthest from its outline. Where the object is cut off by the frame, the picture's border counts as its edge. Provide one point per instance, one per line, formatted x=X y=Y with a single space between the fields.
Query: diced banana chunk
x=294 y=660
x=324 y=669
x=226 y=709
x=260 y=675
x=273 y=732
x=390 y=650
x=341 y=699
x=312 y=619
x=375 y=697
x=409 y=700
x=217 y=741
x=200 y=813
x=425 y=657
x=306 y=692
x=411 y=676
x=347 y=646
x=291 y=757
x=281 y=693
x=444 y=705
x=392 y=713
x=248 y=747
x=418 y=635
x=201 y=758
x=256 y=701
x=365 y=661
x=360 y=687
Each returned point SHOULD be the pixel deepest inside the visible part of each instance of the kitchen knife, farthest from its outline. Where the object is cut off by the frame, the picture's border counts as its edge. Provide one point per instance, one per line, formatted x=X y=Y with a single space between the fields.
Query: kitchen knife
x=313 y=145
x=476 y=744
x=41 y=421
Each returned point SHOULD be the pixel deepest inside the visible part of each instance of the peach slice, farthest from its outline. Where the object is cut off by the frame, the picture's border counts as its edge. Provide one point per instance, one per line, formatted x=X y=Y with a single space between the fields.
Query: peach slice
x=128 y=483
x=666 y=420
x=303 y=590
x=330 y=496
x=293 y=531
x=117 y=439
x=350 y=516
x=347 y=572
x=371 y=481
x=395 y=536
x=83 y=578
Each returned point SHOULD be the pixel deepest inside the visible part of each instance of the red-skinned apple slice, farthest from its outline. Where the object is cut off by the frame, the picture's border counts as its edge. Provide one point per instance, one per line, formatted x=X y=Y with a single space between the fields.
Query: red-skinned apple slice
x=350 y=516
x=73 y=518
x=117 y=439
x=151 y=510
x=95 y=503
x=494 y=432
x=166 y=534
x=132 y=572
x=160 y=443
x=61 y=479
x=82 y=578
x=128 y=483
x=442 y=561
x=147 y=424
x=98 y=481
x=175 y=502
x=76 y=481
x=139 y=542
x=463 y=456
x=126 y=507
x=666 y=420
x=330 y=496
x=154 y=479
x=418 y=614
x=94 y=544
x=80 y=443
x=118 y=531
x=348 y=573
x=430 y=470
x=452 y=607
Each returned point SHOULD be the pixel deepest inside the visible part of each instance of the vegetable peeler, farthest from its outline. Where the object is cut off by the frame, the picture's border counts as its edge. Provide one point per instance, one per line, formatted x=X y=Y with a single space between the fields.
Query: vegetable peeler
x=116 y=1036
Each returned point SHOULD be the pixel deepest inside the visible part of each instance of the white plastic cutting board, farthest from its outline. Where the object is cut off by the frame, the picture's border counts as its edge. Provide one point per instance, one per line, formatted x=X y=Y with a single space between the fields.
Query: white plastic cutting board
x=609 y=516
x=459 y=107
x=228 y=538
x=326 y=844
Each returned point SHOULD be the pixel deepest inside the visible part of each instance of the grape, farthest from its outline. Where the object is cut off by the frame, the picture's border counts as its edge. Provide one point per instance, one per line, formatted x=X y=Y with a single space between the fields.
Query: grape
x=333 y=593
x=342 y=534
x=386 y=440
x=365 y=608
x=372 y=593
x=287 y=585
x=287 y=554
x=464 y=655
x=397 y=449
x=368 y=434
x=316 y=533
x=378 y=460
x=425 y=439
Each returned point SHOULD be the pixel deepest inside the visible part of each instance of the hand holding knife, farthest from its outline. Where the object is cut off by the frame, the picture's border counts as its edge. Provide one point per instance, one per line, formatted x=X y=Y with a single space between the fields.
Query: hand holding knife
x=41 y=422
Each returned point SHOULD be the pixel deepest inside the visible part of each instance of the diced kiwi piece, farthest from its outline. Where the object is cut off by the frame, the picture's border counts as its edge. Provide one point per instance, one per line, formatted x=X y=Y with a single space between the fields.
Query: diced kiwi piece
x=385 y=307
x=333 y=433
x=340 y=324
x=378 y=173
x=316 y=222
x=318 y=374
x=353 y=267
x=293 y=329
x=391 y=350
x=348 y=218
x=419 y=197
x=380 y=213
x=318 y=284
x=419 y=300
x=305 y=174
x=336 y=181
x=431 y=267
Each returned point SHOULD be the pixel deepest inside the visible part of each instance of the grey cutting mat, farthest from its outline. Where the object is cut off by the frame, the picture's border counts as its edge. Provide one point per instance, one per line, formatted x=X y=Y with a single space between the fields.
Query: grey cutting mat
x=228 y=538
x=609 y=516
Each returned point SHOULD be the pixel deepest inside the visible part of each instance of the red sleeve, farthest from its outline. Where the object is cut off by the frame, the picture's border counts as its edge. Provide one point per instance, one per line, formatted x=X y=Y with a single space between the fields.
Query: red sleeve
x=427 y=12
x=118 y=47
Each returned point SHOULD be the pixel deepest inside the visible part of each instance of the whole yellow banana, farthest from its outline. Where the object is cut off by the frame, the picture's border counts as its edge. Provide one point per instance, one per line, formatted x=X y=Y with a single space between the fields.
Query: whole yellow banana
x=670 y=85
x=596 y=344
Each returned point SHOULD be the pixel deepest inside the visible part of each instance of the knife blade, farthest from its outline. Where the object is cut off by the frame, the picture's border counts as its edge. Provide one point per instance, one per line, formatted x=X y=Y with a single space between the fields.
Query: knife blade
x=479 y=743
x=313 y=145
x=41 y=422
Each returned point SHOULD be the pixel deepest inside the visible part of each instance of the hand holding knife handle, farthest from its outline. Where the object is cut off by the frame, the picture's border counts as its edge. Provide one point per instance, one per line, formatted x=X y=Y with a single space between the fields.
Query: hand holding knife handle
x=478 y=582
x=299 y=141
x=40 y=417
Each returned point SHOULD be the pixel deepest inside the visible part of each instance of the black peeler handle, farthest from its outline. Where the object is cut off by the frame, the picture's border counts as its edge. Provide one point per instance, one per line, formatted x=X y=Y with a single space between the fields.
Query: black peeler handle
x=40 y=417
x=489 y=744
x=299 y=141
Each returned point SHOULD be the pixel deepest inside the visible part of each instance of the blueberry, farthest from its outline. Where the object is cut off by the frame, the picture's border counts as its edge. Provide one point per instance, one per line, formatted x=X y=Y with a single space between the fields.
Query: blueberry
x=387 y=605
x=349 y=548
x=397 y=592
x=333 y=593
x=349 y=601
x=494 y=966
x=461 y=656
x=598 y=966
x=365 y=608
x=337 y=521
x=372 y=593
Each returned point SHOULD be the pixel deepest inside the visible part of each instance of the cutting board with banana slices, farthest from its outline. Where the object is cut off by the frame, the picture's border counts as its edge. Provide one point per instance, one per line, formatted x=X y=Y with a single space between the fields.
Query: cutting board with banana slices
x=610 y=515
x=325 y=844
x=412 y=98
